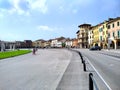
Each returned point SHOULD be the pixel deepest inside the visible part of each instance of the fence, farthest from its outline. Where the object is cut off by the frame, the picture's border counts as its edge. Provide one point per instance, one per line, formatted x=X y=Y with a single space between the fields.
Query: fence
x=93 y=85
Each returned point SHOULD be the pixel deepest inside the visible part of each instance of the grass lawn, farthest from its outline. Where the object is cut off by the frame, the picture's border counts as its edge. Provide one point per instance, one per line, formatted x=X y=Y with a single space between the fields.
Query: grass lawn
x=13 y=53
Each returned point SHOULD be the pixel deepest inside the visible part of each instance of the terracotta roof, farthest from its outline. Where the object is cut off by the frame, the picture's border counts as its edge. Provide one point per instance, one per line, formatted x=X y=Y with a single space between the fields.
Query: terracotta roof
x=84 y=25
x=40 y=40
x=60 y=38
x=113 y=20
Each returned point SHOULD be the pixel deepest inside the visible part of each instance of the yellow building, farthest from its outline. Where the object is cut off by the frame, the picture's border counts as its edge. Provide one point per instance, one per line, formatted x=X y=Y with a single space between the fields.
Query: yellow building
x=103 y=35
x=95 y=30
x=39 y=43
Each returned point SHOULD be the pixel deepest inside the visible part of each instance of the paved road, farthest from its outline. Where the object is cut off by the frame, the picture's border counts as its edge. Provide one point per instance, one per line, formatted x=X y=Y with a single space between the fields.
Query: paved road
x=44 y=71
x=107 y=64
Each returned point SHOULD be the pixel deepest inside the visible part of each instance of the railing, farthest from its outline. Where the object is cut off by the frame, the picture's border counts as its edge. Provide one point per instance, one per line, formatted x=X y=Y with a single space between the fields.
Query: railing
x=92 y=81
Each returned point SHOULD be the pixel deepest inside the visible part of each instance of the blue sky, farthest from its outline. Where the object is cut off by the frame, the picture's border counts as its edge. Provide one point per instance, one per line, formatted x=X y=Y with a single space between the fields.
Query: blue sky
x=47 y=19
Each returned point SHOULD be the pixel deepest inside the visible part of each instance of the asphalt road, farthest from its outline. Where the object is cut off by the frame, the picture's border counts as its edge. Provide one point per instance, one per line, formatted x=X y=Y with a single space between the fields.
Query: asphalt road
x=107 y=64
x=47 y=70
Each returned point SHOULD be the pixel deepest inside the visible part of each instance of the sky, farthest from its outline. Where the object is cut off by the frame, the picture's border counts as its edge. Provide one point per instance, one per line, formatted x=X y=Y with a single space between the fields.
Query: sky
x=48 y=19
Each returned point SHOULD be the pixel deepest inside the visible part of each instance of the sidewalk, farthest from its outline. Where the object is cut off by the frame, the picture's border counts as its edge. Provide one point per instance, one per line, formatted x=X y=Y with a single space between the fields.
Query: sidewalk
x=74 y=77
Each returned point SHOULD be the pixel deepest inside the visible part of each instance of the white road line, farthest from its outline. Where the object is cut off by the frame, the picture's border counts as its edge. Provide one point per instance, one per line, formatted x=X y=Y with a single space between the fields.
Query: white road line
x=112 y=55
x=109 y=88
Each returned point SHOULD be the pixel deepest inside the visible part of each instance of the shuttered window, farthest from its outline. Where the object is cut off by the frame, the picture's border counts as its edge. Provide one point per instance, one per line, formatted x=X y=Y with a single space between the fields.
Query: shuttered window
x=119 y=33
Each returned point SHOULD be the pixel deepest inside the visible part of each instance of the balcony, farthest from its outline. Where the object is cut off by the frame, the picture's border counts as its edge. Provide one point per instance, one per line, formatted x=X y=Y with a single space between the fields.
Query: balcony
x=85 y=41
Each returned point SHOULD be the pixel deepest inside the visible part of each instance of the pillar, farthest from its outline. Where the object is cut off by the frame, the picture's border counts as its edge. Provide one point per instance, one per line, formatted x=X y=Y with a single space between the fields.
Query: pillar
x=10 y=46
x=115 y=44
x=2 y=46
x=13 y=46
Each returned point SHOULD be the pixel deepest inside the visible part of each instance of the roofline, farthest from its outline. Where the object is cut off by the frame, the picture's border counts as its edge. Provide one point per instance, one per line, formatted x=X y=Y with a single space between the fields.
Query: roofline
x=84 y=25
x=115 y=19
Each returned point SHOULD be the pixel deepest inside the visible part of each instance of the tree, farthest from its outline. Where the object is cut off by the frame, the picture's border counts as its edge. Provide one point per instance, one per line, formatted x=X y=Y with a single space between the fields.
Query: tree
x=63 y=44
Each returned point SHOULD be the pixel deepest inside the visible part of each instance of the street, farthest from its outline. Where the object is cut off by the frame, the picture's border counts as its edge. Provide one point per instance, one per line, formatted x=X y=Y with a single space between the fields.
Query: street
x=59 y=69
x=107 y=64
x=44 y=71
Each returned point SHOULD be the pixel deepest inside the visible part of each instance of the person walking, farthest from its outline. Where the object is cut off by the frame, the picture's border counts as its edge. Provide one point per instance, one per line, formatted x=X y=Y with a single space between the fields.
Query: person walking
x=34 y=51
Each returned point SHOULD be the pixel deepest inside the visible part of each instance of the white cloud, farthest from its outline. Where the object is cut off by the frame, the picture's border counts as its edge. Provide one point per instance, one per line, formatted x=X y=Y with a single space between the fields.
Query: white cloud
x=45 y=28
x=15 y=7
x=38 y=5
x=26 y=6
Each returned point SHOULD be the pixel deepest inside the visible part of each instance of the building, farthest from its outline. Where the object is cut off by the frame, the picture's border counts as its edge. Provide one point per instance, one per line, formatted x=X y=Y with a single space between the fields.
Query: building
x=68 y=43
x=58 y=42
x=47 y=44
x=90 y=37
x=27 y=44
x=7 y=45
x=82 y=35
x=75 y=43
x=95 y=30
x=113 y=27
x=54 y=43
x=103 y=35
x=39 y=43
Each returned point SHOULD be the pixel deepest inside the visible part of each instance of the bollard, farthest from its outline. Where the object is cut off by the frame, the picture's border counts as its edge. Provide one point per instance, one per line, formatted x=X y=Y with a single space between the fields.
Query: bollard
x=84 y=65
x=81 y=56
x=90 y=82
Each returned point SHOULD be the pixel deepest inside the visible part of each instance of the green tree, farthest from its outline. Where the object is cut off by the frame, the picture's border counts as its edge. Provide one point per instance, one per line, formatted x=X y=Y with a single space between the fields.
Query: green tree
x=63 y=44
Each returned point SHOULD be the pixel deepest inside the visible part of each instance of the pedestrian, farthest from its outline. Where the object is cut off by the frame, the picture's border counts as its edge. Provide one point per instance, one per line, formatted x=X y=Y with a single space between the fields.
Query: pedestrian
x=34 y=51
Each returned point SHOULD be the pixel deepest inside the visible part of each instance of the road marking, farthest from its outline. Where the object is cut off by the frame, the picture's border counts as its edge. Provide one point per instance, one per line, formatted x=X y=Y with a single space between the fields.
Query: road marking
x=109 y=88
x=112 y=55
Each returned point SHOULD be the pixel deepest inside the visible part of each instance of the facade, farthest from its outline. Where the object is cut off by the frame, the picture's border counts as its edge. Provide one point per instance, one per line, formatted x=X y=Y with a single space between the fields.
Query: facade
x=58 y=42
x=114 y=33
x=103 y=35
x=95 y=34
x=68 y=43
x=27 y=44
x=47 y=44
x=90 y=37
x=39 y=43
x=82 y=35
x=54 y=43
x=7 y=45
x=75 y=43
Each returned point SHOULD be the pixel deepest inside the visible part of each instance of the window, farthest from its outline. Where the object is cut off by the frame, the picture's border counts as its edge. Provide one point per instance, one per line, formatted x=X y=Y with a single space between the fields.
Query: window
x=103 y=26
x=118 y=24
x=108 y=34
x=108 y=27
x=100 y=38
x=113 y=25
x=92 y=31
x=119 y=33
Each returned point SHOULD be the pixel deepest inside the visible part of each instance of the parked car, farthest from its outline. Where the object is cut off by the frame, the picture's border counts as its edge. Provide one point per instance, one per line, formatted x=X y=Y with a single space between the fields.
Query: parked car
x=95 y=48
